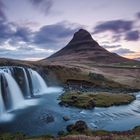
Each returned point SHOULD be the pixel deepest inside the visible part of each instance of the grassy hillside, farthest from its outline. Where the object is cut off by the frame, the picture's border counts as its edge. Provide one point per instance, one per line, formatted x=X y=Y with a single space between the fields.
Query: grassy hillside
x=97 y=76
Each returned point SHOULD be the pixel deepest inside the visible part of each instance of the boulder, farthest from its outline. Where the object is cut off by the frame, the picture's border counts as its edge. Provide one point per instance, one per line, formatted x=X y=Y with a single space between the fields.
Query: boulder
x=66 y=118
x=79 y=126
x=47 y=118
x=63 y=104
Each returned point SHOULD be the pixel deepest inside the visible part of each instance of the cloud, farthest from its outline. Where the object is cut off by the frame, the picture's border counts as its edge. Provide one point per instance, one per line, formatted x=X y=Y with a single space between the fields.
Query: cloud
x=2 y=13
x=132 y=36
x=5 y=31
x=138 y=15
x=116 y=37
x=13 y=33
x=3 y=50
x=120 y=29
x=23 y=34
x=25 y=54
x=55 y=35
x=15 y=41
x=22 y=42
x=49 y=36
x=123 y=51
x=111 y=46
x=43 y=5
x=28 y=24
x=115 y=26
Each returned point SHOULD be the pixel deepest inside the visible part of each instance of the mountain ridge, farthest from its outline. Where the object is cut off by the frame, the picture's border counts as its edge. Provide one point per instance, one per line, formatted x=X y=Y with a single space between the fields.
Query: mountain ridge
x=84 y=48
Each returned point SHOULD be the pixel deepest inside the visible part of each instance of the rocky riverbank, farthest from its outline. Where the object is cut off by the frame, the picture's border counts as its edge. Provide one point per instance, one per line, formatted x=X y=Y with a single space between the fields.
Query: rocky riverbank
x=79 y=131
x=84 y=86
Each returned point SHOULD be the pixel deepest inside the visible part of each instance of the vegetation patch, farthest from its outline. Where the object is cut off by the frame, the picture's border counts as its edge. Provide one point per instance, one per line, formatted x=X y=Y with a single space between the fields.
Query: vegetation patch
x=9 y=136
x=133 y=64
x=89 y=100
x=79 y=131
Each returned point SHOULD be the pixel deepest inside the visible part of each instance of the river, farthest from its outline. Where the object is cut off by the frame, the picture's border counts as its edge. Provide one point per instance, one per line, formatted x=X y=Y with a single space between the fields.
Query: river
x=29 y=120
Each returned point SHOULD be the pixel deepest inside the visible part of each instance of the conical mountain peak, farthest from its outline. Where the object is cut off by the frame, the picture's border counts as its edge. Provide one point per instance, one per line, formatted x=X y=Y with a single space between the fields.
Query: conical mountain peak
x=83 y=48
x=81 y=36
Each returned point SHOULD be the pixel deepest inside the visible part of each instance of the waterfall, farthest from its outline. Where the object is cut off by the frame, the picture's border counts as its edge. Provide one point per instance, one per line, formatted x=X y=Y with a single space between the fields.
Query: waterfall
x=15 y=92
x=17 y=84
x=18 y=87
x=2 y=108
x=7 y=71
x=27 y=83
x=39 y=85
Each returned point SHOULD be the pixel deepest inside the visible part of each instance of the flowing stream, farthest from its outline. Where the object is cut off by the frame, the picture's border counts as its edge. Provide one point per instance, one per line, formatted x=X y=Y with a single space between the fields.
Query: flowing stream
x=32 y=120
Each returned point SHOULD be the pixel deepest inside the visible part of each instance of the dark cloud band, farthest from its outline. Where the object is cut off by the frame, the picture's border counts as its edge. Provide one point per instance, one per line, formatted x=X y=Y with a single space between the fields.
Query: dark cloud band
x=132 y=36
x=115 y=26
x=49 y=37
x=123 y=51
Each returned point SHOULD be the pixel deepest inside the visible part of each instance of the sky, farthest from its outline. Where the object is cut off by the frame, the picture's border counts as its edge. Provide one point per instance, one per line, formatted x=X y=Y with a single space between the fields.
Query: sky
x=35 y=29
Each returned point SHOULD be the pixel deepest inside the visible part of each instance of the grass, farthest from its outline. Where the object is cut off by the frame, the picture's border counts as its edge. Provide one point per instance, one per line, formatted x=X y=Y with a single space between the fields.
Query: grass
x=86 y=135
x=9 y=136
x=135 y=64
x=90 y=100
x=98 y=135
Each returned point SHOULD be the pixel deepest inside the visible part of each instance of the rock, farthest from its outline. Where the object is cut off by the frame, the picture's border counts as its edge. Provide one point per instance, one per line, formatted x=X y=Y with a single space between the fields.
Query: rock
x=61 y=133
x=50 y=118
x=66 y=118
x=63 y=104
x=91 y=104
x=74 y=98
x=70 y=128
x=66 y=105
x=47 y=118
x=79 y=126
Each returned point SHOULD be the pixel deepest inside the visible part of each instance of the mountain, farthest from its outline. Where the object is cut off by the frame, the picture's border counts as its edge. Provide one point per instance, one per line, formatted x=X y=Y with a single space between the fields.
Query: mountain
x=83 y=60
x=83 y=48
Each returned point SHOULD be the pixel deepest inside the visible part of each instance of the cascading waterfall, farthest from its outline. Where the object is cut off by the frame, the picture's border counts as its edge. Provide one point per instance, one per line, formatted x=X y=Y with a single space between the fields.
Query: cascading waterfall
x=39 y=85
x=16 y=96
x=27 y=83
x=16 y=85
x=2 y=108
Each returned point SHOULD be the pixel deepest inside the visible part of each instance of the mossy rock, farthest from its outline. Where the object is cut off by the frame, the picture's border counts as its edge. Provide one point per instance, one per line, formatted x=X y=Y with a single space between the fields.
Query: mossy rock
x=79 y=126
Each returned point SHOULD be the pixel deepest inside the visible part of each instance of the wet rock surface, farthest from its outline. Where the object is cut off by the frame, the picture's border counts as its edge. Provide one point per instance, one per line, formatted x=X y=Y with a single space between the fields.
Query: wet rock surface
x=47 y=118
x=66 y=118
x=79 y=126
